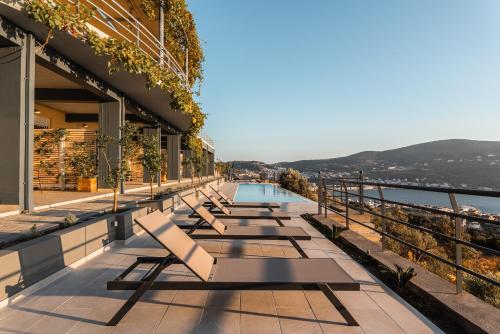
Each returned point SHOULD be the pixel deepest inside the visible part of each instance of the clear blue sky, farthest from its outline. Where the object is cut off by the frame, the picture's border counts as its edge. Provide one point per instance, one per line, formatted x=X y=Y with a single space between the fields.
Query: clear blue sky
x=288 y=80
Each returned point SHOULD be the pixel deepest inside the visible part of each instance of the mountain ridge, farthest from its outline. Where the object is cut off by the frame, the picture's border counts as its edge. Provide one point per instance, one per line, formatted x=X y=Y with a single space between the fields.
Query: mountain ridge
x=458 y=162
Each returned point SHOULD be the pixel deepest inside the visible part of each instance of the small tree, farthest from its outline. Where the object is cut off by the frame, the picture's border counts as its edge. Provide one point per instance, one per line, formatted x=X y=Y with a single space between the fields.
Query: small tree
x=188 y=162
x=196 y=160
x=117 y=172
x=83 y=161
x=44 y=145
x=151 y=158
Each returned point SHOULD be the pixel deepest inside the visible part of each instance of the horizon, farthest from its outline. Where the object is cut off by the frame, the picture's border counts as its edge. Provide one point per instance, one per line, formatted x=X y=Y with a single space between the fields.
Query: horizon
x=387 y=149
x=355 y=78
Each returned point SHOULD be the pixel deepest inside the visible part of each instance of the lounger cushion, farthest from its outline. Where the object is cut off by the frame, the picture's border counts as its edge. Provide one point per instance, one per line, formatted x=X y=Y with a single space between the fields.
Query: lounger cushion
x=242 y=214
x=216 y=202
x=274 y=270
x=164 y=230
x=266 y=231
x=222 y=195
x=250 y=204
x=204 y=213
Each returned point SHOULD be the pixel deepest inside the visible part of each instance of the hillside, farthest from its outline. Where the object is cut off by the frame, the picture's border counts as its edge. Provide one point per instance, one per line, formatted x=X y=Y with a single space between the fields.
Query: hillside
x=457 y=162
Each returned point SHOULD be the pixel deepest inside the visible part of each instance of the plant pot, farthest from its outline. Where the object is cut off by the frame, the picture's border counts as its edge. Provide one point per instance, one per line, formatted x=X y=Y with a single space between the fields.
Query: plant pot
x=87 y=184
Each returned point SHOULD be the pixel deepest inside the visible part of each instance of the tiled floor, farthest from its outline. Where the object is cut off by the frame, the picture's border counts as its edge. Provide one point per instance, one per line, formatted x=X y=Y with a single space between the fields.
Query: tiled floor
x=80 y=303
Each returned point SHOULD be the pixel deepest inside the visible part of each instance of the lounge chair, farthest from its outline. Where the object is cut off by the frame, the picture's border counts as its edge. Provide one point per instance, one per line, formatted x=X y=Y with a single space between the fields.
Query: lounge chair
x=227 y=273
x=233 y=232
x=224 y=199
x=243 y=214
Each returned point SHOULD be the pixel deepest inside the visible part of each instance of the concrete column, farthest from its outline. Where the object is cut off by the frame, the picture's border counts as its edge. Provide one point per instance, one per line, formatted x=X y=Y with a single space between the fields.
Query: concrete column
x=173 y=157
x=211 y=163
x=153 y=132
x=186 y=169
x=111 y=118
x=205 y=166
x=17 y=84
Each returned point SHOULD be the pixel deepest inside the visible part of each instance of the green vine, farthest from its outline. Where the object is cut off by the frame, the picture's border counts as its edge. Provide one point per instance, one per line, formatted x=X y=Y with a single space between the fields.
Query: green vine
x=127 y=56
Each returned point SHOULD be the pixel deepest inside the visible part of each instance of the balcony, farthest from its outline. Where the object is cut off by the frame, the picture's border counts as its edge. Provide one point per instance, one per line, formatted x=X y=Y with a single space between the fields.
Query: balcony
x=123 y=21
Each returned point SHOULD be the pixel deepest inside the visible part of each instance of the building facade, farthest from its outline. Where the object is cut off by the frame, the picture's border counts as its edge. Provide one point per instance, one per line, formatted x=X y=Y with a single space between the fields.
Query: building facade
x=62 y=83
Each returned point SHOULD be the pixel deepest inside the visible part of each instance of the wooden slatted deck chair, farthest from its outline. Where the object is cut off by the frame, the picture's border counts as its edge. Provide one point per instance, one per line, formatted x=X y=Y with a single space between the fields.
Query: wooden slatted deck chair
x=228 y=273
x=231 y=231
x=224 y=199
x=243 y=214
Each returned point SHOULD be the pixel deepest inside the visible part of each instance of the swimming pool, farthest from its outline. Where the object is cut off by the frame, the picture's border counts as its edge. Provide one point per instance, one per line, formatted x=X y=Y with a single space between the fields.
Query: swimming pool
x=264 y=193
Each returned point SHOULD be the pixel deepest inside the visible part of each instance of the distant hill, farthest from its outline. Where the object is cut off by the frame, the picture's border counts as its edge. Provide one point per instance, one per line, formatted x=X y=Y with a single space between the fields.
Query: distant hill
x=458 y=162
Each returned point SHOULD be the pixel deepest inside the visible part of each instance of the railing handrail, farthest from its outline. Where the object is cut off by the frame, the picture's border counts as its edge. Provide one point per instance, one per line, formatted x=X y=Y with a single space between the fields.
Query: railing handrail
x=338 y=185
x=458 y=191
x=164 y=56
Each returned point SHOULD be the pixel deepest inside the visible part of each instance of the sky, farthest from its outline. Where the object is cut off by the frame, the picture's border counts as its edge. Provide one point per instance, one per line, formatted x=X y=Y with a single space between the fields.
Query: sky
x=288 y=80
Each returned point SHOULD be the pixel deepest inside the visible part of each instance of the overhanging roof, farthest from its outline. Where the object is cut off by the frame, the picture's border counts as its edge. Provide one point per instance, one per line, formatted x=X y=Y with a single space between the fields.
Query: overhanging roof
x=131 y=85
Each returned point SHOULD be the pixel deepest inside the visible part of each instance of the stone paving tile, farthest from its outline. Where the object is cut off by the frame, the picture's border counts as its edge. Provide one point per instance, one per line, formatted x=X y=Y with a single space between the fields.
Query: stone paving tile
x=298 y=320
x=141 y=319
x=258 y=313
x=184 y=314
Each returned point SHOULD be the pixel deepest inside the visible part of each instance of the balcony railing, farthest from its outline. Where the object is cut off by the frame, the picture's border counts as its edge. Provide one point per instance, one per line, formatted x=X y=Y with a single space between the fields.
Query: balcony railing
x=113 y=20
x=341 y=193
x=207 y=140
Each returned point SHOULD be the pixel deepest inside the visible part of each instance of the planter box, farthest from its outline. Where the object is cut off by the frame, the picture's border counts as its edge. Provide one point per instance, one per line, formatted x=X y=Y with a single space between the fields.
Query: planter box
x=88 y=185
x=29 y=262
x=163 y=204
x=126 y=226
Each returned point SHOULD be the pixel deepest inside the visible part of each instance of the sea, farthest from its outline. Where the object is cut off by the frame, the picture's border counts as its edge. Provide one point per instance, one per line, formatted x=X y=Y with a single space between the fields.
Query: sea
x=484 y=204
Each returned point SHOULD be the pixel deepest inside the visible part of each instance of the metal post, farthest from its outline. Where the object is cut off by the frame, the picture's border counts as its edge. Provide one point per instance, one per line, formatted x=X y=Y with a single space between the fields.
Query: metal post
x=361 y=193
x=458 y=247
x=346 y=198
x=161 y=23
x=382 y=212
x=137 y=34
x=320 y=209
x=325 y=199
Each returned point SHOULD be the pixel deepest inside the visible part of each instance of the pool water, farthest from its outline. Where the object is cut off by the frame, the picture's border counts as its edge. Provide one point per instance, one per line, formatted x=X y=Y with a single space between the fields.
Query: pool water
x=264 y=193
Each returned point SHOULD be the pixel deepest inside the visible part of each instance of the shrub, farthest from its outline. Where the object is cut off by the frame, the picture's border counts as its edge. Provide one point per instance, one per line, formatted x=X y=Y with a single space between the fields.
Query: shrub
x=484 y=290
x=292 y=180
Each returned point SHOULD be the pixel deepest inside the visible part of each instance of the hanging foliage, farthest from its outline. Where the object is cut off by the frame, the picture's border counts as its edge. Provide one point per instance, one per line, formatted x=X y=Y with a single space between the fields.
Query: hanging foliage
x=129 y=57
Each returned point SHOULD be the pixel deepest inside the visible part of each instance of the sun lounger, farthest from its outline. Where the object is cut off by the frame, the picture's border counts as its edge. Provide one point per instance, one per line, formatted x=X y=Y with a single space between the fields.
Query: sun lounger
x=227 y=273
x=231 y=231
x=243 y=214
x=224 y=199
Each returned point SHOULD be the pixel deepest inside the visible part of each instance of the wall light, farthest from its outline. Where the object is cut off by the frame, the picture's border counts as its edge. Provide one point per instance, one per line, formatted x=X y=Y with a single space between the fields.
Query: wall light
x=38 y=112
x=85 y=126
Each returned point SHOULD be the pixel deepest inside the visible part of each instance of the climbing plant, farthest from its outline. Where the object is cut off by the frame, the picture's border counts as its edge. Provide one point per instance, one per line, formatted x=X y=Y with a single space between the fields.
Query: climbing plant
x=45 y=143
x=129 y=57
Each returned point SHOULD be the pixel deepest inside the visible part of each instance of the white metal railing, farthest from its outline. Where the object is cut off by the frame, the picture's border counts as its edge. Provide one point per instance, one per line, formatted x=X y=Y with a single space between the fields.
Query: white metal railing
x=206 y=139
x=112 y=19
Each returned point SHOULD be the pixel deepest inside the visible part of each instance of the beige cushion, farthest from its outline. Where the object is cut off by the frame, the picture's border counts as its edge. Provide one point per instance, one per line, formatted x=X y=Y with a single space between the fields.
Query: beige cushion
x=216 y=202
x=161 y=228
x=204 y=213
x=222 y=195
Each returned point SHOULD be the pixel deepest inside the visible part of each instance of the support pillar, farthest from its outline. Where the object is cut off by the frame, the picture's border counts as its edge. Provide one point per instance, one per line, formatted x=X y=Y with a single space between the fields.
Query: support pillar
x=186 y=170
x=174 y=157
x=153 y=132
x=17 y=84
x=205 y=166
x=111 y=119
x=211 y=163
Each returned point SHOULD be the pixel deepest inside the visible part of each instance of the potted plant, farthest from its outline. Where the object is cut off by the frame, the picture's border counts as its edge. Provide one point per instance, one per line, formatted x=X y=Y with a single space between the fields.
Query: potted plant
x=84 y=163
x=45 y=144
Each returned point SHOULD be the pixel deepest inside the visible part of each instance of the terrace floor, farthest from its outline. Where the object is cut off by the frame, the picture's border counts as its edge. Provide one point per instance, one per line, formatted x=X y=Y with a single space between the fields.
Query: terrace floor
x=79 y=302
